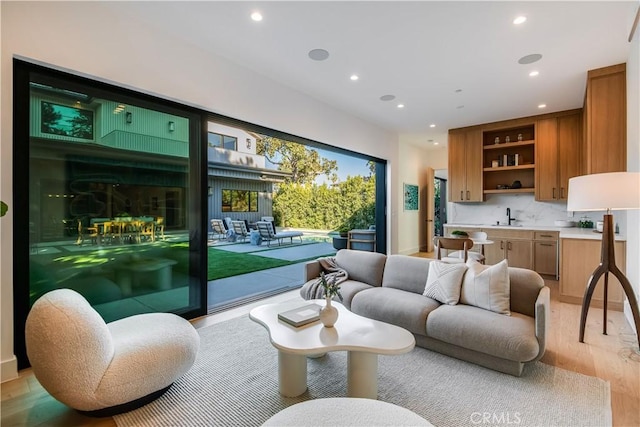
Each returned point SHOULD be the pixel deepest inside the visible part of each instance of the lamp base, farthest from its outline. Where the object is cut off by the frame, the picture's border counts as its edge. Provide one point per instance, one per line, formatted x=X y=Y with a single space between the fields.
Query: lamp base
x=608 y=265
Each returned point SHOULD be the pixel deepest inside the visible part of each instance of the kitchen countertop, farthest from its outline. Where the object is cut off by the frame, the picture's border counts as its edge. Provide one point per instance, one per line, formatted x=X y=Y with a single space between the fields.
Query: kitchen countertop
x=565 y=232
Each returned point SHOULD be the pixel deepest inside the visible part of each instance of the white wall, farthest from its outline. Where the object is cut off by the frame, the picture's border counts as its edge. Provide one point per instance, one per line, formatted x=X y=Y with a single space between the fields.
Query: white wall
x=633 y=164
x=413 y=160
x=92 y=40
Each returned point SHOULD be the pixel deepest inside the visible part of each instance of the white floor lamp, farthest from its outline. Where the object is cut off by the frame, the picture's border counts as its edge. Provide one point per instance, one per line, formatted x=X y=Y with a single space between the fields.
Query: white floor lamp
x=606 y=192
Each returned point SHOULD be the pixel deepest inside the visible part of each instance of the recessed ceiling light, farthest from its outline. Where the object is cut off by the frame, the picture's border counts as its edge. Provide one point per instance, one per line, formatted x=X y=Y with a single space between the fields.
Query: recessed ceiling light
x=432 y=125
x=542 y=106
x=436 y=143
x=354 y=77
x=400 y=105
x=256 y=16
x=520 y=20
x=387 y=97
x=533 y=73
x=530 y=59
x=318 y=54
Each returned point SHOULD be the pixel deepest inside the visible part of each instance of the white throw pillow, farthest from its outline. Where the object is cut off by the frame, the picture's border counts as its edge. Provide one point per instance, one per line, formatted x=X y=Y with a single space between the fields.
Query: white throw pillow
x=487 y=287
x=444 y=281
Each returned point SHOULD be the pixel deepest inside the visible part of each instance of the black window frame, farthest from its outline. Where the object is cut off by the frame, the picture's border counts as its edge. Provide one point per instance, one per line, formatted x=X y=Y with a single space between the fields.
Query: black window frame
x=222 y=141
x=249 y=204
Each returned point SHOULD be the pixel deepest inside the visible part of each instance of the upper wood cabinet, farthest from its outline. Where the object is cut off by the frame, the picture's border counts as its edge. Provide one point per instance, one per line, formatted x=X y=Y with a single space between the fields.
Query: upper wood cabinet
x=558 y=141
x=465 y=166
x=605 y=124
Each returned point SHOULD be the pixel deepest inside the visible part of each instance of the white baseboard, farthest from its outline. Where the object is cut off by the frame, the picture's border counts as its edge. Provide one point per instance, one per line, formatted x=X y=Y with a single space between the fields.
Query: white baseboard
x=9 y=369
x=409 y=251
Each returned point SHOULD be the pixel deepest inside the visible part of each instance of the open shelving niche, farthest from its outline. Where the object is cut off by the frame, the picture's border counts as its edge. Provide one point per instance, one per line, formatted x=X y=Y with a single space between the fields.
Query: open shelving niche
x=505 y=175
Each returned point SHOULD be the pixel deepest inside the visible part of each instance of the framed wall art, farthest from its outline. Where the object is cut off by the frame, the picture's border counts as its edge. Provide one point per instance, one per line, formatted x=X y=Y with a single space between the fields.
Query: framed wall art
x=410 y=197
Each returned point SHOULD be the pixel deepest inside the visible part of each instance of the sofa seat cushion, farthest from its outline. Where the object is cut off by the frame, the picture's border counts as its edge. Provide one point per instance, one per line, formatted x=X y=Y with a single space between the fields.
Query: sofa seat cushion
x=349 y=289
x=509 y=337
x=405 y=309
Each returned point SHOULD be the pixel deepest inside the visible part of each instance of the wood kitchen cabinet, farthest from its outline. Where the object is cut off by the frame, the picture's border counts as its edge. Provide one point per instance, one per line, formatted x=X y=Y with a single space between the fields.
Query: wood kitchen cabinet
x=579 y=258
x=557 y=155
x=605 y=120
x=465 y=166
x=516 y=246
x=545 y=253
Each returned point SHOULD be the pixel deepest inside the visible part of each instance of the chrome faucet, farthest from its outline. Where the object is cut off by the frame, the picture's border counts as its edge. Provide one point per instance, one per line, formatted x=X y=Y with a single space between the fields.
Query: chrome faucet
x=509 y=219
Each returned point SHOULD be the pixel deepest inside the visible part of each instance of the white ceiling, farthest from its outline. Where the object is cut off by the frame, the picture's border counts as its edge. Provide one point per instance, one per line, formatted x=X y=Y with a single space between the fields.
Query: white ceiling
x=420 y=51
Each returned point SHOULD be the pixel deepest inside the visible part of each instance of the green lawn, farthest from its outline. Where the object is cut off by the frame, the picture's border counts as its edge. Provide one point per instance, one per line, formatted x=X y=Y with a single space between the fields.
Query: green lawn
x=226 y=264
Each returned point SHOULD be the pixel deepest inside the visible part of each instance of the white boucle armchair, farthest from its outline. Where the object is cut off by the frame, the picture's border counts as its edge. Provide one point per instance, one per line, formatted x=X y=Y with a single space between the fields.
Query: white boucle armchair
x=104 y=369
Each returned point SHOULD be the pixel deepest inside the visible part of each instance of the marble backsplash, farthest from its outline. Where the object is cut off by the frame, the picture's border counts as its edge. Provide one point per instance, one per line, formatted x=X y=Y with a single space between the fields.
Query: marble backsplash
x=523 y=207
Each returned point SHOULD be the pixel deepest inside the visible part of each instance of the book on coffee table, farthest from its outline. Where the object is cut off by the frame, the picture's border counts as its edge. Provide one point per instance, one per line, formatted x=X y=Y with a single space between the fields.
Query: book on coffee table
x=302 y=315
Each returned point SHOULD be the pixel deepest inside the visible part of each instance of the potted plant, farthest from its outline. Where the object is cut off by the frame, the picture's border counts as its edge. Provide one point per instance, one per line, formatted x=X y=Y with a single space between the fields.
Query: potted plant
x=329 y=314
x=3 y=208
x=343 y=230
x=460 y=234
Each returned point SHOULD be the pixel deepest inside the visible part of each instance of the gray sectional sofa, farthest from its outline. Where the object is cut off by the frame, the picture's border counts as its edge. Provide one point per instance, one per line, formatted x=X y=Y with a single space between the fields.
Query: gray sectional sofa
x=390 y=289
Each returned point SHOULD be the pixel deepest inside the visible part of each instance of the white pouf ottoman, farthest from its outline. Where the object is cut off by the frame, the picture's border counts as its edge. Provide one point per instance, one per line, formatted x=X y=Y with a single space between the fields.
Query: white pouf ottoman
x=345 y=411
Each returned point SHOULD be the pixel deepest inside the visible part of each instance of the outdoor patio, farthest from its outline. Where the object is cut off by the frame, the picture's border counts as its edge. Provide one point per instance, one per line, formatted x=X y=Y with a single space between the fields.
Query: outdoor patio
x=238 y=271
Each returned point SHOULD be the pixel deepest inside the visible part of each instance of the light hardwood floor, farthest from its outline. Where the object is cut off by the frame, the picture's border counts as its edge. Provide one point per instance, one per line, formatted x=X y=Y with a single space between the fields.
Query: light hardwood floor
x=613 y=357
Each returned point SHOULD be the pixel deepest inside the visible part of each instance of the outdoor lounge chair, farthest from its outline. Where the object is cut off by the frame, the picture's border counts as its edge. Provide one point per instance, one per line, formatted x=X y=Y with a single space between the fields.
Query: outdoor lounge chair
x=265 y=229
x=219 y=231
x=241 y=229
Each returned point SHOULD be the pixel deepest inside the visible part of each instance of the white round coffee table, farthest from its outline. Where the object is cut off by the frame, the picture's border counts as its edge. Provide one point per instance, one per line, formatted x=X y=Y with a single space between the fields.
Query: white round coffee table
x=345 y=411
x=361 y=337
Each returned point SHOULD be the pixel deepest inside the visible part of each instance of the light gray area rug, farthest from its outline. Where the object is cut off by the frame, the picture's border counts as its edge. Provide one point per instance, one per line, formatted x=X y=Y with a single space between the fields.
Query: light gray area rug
x=234 y=382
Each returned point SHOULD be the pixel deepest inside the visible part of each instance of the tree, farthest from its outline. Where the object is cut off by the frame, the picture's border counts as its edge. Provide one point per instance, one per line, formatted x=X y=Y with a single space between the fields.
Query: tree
x=49 y=120
x=305 y=164
x=82 y=125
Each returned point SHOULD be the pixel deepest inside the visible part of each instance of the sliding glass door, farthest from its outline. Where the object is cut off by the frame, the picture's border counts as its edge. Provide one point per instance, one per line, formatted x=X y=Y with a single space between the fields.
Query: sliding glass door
x=109 y=184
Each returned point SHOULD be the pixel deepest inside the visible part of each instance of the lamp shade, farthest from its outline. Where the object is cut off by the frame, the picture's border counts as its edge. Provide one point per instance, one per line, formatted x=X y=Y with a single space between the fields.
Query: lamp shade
x=604 y=191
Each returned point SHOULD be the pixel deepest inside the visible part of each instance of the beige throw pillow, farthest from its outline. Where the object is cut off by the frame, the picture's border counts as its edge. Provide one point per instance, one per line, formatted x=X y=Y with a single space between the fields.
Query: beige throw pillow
x=444 y=281
x=487 y=287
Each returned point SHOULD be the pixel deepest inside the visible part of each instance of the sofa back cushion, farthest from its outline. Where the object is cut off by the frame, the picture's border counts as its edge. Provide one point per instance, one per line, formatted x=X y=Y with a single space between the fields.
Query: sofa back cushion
x=407 y=273
x=362 y=266
x=525 y=287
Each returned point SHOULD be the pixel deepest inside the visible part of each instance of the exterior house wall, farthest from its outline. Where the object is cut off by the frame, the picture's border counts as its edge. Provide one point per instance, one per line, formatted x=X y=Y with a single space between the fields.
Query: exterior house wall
x=246 y=142
x=264 y=189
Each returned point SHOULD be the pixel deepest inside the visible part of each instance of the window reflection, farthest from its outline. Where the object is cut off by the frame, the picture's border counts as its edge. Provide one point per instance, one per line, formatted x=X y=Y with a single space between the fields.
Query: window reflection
x=108 y=200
